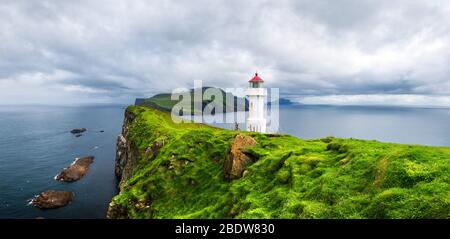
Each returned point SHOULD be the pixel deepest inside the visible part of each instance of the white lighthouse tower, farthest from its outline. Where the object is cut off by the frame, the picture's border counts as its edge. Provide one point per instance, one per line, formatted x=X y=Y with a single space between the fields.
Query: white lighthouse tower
x=256 y=120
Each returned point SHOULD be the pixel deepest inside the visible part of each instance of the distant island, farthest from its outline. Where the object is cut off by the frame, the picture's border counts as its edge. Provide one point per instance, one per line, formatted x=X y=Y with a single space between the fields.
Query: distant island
x=164 y=102
x=191 y=170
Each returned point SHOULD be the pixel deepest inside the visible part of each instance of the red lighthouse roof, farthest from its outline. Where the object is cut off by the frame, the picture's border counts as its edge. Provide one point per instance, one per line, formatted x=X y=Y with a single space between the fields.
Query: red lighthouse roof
x=256 y=78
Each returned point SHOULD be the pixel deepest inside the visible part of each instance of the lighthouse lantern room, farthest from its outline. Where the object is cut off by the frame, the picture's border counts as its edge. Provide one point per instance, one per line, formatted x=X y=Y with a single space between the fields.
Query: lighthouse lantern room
x=256 y=119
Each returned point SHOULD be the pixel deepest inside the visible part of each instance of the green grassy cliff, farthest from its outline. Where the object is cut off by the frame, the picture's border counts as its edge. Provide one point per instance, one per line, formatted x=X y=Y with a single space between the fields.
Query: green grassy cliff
x=180 y=171
x=164 y=102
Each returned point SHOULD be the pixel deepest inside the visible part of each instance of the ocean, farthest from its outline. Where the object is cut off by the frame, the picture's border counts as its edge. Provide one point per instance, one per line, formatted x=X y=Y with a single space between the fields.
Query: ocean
x=405 y=125
x=35 y=144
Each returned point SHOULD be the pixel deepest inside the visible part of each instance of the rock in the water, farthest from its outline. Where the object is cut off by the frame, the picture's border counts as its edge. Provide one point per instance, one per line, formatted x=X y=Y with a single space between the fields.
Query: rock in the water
x=52 y=199
x=236 y=160
x=76 y=170
x=102 y=131
x=78 y=131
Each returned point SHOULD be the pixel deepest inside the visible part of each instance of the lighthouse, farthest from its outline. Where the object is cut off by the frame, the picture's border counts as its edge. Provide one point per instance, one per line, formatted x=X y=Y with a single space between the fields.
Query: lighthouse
x=256 y=119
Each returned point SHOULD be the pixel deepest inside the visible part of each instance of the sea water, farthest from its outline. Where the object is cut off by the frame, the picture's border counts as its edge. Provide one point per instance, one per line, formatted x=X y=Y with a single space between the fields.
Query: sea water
x=35 y=144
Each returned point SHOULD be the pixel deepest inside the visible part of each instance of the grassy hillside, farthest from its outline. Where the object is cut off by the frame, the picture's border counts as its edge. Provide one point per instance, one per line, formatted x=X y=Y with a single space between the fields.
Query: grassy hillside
x=291 y=177
x=165 y=103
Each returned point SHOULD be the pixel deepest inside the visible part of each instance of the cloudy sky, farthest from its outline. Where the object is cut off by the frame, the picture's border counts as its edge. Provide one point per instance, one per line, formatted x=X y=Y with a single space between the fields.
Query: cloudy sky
x=315 y=51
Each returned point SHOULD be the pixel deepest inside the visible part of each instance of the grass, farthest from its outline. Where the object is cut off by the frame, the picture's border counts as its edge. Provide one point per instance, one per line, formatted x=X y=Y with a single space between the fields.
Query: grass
x=165 y=103
x=291 y=178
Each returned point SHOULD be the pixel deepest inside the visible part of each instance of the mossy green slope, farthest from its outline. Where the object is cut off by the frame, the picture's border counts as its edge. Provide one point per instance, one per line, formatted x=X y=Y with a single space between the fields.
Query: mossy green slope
x=291 y=178
x=164 y=101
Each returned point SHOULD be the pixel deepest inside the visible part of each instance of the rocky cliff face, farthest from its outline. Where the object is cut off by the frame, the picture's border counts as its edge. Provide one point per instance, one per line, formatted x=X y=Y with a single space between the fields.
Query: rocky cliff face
x=126 y=152
x=128 y=156
x=126 y=159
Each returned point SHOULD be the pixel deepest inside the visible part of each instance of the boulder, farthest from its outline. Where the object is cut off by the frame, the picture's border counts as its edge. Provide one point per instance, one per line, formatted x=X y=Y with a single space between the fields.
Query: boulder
x=76 y=170
x=52 y=199
x=78 y=131
x=236 y=159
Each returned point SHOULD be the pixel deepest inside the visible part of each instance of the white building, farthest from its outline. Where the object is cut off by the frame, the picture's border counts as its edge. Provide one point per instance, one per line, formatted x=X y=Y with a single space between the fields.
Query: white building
x=256 y=120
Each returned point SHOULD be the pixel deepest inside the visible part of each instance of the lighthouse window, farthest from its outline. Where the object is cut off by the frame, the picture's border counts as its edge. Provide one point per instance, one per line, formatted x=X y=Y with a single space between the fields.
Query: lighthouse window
x=255 y=84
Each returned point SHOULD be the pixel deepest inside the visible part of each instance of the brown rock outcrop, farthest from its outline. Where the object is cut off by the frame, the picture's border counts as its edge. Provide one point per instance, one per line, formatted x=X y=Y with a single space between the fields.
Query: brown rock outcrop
x=236 y=159
x=76 y=170
x=52 y=199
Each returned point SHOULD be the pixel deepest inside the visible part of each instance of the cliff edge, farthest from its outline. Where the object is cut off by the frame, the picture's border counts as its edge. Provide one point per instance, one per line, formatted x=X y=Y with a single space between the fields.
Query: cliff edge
x=190 y=170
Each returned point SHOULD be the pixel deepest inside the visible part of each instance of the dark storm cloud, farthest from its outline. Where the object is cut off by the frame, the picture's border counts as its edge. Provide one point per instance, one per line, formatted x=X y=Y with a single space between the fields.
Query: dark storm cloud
x=106 y=51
